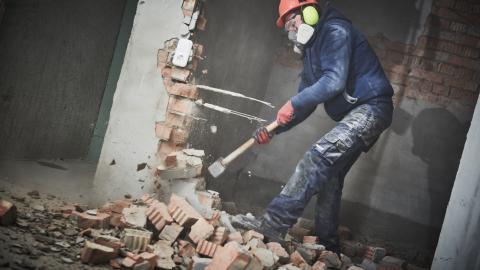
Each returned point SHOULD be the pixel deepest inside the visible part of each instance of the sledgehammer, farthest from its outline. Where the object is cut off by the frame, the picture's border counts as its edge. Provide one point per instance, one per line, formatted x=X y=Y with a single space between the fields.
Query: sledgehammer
x=219 y=166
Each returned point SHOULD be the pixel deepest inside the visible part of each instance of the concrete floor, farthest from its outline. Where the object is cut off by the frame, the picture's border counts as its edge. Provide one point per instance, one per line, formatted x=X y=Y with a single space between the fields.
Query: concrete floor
x=70 y=180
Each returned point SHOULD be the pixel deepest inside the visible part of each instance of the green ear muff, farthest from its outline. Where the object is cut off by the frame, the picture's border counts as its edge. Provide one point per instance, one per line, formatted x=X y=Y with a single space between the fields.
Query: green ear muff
x=310 y=15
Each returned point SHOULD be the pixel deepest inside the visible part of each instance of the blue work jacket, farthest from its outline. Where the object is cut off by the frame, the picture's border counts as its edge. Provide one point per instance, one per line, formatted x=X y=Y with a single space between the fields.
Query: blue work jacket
x=341 y=70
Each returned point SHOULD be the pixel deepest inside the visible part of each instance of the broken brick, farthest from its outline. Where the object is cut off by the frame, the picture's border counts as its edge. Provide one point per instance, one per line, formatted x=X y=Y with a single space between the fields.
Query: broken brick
x=158 y=214
x=144 y=265
x=209 y=199
x=8 y=213
x=207 y=248
x=266 y=257
x=178 y=172
x=220 y=235
x=175 y=120
x=136 y=239
x=186 y=249
x=187 y=7
x=231 y=256
x=135 y=216
x=179 y=136
x=308 y=239
x=180 y=105
x=251 y=234
x=98 y=221
x=279 y=251
x=318 y=265
x=180 y=74
x=170 y=232
x=162 y=131
x=128 y=262
x=162 y=58
x=214 y=218
x=236 y=237
x=182 y=89
x=148 y=199
x=182 y=212
x=354 y=267
x=94 y=253
x=171 y=160
x=330 y=259
x=150 y=258
x=297 y=259
x=201 y=23
x=374 y=254
x=201 y=230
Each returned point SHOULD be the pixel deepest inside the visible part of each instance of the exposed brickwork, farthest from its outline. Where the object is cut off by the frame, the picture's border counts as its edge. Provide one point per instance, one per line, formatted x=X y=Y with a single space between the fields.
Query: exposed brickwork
x=207 y=248
x=182 y=212
x=444 y=64
x=158 y=214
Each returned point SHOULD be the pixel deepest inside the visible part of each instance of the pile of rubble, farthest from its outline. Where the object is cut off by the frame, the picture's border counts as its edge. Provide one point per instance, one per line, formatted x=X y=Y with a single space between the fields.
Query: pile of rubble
x=145 y=233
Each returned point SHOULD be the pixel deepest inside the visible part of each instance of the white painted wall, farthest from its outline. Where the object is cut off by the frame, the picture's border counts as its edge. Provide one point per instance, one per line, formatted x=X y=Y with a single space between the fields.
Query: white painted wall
x=140 y=100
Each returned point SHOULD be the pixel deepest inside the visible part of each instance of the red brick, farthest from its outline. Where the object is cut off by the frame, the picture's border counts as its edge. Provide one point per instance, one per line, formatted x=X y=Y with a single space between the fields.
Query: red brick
x=201 y=230
x=297 y=259
x=180 y=74
x=8 y=213
x=93 y=253
x=175 y=119
x=298 y=231
x=84 y=220
x=158 y=214
x=182 y=212
x=150 y=258
x=162 y=58
x=279 y=251
x=252 y=234
x=166 y=148
x=463 y=94
x=182 y=89
x=181 y=105
x=440 y=89
x=236 y=237
x=170 y=232
x=220 y=235
x=187 y=7
x=148 y=199
x=179 y=136
x=166 y=72
x=162 y=131
x=207 y=248
x=137 y=239
x=309 y=239
x=186 y=249
x=232 y=256
x=171 y=160
x=318 y=265
x=427 y=75
x=214 y=219
x=464 y=62
x=374 y=254
x=128 y=262
x=467 y=85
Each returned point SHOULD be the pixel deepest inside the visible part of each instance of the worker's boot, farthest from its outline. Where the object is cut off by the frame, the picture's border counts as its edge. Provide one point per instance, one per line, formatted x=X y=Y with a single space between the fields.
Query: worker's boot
x=261 y=225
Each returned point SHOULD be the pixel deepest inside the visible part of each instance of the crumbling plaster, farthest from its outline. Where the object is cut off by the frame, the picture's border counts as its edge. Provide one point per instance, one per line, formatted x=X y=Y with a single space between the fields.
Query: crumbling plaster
x=140 y=100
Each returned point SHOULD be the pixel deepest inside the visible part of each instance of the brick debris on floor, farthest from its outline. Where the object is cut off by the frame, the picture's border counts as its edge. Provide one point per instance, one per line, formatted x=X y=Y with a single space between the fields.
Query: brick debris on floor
x=187 y=232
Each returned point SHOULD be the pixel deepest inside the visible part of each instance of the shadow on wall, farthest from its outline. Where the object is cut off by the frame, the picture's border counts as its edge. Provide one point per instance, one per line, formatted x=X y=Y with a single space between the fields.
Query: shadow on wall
x=438 y=139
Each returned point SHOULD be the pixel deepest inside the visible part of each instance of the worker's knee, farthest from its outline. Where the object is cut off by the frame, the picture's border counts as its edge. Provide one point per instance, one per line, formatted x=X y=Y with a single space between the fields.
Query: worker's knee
x=336 y=144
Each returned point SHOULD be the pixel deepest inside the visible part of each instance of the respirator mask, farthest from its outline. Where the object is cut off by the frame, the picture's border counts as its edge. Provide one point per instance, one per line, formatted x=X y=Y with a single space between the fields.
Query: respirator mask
x=309 y=17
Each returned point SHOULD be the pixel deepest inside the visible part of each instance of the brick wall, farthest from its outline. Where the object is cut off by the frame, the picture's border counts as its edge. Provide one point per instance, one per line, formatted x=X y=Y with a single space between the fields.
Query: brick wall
x=444 y=65
x=174 y=131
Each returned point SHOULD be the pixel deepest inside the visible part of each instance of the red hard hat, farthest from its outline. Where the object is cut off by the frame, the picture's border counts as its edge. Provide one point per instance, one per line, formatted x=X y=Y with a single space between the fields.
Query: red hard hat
x=288 y=5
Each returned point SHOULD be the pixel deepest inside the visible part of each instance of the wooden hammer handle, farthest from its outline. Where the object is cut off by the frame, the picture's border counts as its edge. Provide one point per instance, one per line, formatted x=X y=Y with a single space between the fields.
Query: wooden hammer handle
x=244 y=147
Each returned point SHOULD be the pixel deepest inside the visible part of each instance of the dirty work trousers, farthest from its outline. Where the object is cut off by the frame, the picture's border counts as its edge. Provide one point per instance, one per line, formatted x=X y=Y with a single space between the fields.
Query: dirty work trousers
x=322 y=170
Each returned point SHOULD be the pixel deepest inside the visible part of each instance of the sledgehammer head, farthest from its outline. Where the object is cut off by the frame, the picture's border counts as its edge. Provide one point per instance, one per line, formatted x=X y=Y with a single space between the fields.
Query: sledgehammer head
x=217 y=168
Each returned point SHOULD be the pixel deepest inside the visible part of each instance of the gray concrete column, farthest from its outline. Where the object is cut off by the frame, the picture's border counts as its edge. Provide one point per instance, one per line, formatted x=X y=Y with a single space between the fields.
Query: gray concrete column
x=459 y=243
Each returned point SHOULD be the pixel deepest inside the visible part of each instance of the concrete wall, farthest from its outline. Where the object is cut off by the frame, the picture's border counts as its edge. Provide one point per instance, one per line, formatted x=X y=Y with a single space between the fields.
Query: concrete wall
x=140 y=100
x=55 y=57
x=458 y=246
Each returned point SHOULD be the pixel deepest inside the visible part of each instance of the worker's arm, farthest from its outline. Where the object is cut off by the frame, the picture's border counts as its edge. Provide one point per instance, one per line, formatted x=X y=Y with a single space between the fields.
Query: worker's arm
x=335 y=58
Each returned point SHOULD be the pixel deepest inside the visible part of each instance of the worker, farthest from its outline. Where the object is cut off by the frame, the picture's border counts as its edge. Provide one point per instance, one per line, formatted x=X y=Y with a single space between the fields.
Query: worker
x=342 y=72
